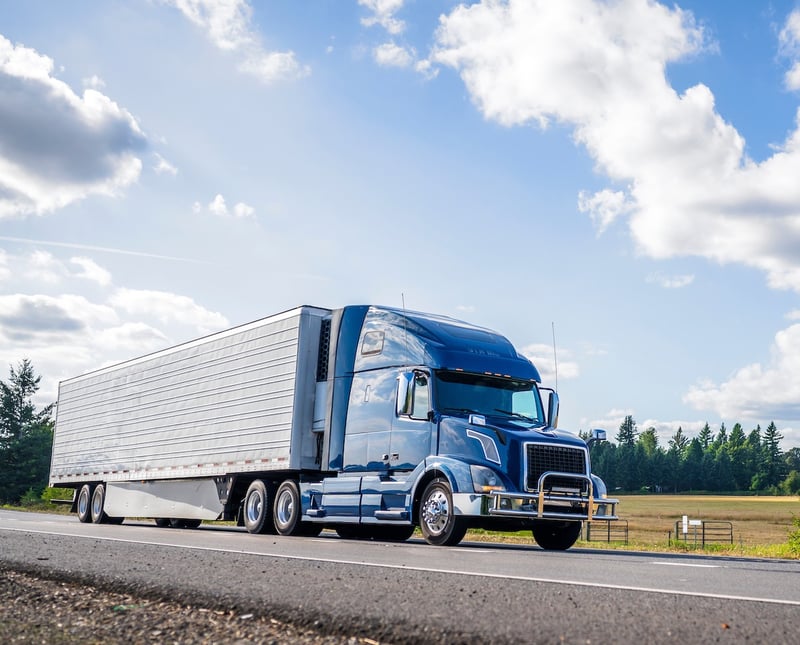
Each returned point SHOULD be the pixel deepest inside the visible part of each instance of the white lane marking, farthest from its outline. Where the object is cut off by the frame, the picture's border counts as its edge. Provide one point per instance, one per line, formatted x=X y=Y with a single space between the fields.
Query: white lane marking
x=475 y=574
x=685 y=564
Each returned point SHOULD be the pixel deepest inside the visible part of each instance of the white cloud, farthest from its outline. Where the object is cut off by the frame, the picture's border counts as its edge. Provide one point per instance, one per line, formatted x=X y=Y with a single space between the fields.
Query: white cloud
x=604 y=206
x=58 y=147
x=227 y=24
x=219 y=208
x=167 y=308
x=43 y=267
x=689 y=189
x=163 y=166
x=383 y=14
x=242 y=210
x=671 y=281
x=94 y=82
x=789 y=40
x=393 y=55
x=770 y=392
x=90 y=270
x=542 y=356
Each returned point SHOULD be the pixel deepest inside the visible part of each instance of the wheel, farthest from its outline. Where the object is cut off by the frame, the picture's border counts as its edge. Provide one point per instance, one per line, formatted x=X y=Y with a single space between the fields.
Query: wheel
x=162 y=522
x=440 y=526
x=286 y=510
x=98 y=501
x=257 y=515
x=85 y=504
x=556 y=536
x=191 y=524
x=177 y=523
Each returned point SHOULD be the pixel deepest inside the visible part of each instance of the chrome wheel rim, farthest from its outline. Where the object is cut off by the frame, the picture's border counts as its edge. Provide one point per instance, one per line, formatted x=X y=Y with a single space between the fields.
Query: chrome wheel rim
x=255 y=504
x=285 y=508
x=436 y=512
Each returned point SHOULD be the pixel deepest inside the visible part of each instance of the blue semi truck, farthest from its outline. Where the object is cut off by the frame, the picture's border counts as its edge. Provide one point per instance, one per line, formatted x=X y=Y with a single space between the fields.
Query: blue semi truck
x=369 y=420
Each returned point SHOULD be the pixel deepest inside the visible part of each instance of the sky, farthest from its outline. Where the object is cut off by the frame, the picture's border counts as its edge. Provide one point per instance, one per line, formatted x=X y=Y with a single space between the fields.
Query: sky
x=613 y=185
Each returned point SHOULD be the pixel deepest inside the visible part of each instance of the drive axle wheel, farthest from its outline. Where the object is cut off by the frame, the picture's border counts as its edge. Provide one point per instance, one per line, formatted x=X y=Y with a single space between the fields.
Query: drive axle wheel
x=286 y=510
x=437 y=519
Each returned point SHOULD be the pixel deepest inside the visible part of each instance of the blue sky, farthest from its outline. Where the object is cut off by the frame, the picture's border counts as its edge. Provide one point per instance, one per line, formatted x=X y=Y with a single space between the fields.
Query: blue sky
x=626 y=173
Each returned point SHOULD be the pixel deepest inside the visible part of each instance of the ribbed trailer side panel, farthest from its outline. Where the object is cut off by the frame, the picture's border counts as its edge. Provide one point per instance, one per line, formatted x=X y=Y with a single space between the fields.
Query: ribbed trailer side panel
x=238 y=401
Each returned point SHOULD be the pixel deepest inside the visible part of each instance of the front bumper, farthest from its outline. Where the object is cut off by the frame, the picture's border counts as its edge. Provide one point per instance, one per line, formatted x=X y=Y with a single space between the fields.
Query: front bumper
x=556 y=502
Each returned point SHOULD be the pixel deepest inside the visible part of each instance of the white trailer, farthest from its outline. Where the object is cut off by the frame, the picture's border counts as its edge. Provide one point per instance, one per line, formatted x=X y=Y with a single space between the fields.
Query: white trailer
x=160 y=436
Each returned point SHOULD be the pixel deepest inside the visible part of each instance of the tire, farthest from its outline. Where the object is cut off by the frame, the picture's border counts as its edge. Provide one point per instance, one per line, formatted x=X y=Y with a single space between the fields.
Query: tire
x=162 y=522
x=84 y=505
x=439 y=525
x=192 y=524
x=286 y=510
x=556 y=536
x=98 y=502
x=257 y=509
x=177 y=523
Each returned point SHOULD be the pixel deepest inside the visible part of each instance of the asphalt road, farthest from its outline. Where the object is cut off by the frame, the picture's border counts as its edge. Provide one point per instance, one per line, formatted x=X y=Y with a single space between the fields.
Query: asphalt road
x=413 y=592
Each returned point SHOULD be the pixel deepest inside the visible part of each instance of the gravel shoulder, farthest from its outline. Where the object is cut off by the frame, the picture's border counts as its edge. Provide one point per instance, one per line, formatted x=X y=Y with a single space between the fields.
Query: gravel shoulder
x=38 y=609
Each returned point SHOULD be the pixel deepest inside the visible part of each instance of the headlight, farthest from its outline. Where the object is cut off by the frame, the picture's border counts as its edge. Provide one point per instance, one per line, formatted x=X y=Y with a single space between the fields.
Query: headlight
x=485 y=479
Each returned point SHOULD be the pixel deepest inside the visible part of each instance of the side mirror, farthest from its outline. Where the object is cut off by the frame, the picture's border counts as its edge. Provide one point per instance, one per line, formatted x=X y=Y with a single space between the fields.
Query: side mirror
x=404 y=392
x=552 y=410
x=598 y=435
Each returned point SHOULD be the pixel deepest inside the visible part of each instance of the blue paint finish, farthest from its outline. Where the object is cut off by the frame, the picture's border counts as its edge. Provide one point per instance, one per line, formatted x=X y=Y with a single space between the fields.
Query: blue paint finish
x=470 y=375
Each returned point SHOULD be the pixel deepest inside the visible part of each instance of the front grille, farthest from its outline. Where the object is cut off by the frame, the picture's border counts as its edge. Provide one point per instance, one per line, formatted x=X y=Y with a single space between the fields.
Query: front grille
x=542 y=458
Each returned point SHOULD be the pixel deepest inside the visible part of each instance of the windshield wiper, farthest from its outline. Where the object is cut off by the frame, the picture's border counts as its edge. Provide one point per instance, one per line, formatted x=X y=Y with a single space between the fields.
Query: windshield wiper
x=461 y=410
x=516 y=415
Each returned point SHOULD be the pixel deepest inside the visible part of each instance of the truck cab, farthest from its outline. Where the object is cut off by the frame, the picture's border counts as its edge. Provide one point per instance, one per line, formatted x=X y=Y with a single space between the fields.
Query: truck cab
x=439 y=423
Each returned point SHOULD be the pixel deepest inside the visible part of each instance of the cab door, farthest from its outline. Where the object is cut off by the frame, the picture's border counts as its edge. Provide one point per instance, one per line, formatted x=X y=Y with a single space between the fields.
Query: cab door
x=412 y=429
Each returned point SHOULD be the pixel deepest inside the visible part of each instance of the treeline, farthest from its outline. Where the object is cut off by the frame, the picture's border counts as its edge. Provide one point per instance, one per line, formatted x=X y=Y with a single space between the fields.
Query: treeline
x=727 y=461
x=26 y=437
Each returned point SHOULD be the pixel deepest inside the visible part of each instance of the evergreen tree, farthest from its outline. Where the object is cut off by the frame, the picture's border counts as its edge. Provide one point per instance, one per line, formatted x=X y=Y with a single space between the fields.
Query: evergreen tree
x=771 y=470
x=627 y=432
x=705 y=437
x=26 y=435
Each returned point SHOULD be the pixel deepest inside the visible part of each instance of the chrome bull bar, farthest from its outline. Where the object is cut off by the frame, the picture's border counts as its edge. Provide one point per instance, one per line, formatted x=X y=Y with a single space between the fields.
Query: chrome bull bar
x=532 y=505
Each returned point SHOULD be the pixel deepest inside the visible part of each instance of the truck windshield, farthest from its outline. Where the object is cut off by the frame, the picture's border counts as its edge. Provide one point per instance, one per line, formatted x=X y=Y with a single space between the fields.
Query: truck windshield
x=461 y=392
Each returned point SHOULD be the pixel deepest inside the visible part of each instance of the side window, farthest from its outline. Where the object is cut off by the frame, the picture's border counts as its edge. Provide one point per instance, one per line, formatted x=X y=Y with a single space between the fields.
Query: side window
x=421 y=397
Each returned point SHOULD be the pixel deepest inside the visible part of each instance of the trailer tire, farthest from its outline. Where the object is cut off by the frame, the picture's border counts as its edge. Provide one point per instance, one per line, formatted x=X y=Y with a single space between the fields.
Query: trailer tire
x=98 y=502
x=439 y=524
x=84 y=504
x=162 y=522
x=556 y=536
x=286 y=511
x=258 y=508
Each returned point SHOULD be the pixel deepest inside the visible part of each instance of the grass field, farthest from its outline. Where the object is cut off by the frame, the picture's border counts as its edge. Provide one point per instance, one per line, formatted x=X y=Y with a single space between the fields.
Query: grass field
x=761 y=525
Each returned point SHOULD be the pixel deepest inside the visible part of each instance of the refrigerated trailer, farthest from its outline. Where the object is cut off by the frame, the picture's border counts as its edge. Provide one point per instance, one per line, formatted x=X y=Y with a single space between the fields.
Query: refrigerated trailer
x=368 y=420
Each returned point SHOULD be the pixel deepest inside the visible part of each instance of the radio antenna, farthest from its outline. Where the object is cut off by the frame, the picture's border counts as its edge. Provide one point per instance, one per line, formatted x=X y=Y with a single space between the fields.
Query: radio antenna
x=405 y=328
x=555 y=355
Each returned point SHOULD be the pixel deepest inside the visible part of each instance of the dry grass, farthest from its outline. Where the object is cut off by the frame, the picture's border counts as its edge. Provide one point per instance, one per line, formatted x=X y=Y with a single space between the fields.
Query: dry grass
x=761 y=525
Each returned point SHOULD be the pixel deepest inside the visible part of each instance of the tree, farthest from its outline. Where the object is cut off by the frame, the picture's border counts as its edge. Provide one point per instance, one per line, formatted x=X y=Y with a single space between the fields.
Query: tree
x=26 y=435
x=627 y=432
x=705 y=436
x=771 y=468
